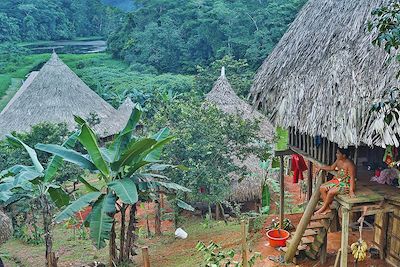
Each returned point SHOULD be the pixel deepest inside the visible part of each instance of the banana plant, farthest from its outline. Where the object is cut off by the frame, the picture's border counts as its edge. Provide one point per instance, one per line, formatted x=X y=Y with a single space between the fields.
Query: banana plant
x=128 y=169
x=36 y=183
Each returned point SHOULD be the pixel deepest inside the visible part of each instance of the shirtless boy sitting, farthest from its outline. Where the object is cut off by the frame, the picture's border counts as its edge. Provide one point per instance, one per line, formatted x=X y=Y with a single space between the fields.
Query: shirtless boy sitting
x=342 y=183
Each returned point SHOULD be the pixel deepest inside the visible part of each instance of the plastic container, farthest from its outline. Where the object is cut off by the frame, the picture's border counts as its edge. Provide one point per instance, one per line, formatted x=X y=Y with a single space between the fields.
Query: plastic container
x=180 y=233
x=278 y=237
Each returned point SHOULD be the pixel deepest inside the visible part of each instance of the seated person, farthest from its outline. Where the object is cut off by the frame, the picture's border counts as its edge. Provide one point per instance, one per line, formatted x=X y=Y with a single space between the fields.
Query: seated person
x=342 y=183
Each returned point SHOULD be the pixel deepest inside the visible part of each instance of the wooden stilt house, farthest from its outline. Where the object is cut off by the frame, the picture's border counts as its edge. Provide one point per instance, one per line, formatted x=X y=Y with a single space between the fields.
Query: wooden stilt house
x=323 y=82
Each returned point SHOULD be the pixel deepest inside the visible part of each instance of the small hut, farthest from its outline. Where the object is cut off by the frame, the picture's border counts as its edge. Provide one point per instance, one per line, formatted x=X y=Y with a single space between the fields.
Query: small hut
x=55 y=94
x=222 y=94
x=320 y=82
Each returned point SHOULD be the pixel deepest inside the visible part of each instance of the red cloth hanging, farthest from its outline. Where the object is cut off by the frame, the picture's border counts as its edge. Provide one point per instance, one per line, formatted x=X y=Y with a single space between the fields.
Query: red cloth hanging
x=298 y=166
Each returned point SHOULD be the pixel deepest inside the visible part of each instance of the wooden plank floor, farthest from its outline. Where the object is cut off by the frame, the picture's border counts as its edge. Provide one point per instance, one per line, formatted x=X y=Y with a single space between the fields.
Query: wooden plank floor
x=371 y=193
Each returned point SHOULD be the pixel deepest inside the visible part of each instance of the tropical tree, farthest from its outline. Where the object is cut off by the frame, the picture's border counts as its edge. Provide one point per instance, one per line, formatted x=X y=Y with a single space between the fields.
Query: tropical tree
x=22 y=182
x=128 y=171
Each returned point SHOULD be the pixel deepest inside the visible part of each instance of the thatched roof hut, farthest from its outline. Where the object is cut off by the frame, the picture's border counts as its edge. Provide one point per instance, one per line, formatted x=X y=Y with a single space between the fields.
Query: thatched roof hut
x=229 y=102
x=223 y=95
x=55 y=94
x=6 y=228
x=324 y=75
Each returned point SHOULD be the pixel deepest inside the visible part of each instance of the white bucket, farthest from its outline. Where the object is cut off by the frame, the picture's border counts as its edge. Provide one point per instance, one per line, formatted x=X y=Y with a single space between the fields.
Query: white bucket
x=180 y=233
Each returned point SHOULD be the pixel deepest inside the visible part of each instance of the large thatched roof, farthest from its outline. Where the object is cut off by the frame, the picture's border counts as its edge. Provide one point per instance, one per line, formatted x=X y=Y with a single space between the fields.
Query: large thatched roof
x=55 y=94
x=324 y=74
x=223 y=95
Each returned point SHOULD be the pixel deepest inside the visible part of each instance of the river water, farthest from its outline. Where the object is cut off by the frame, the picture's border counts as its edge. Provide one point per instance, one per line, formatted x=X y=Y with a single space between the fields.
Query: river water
x=69 y=47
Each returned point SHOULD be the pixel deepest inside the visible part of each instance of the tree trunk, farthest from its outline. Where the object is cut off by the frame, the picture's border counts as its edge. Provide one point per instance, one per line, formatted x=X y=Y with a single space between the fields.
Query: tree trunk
x=51 y=260
x=217 y=212
x=122 y=234
x=112 y=247
x=157 y=219
x=130 y=234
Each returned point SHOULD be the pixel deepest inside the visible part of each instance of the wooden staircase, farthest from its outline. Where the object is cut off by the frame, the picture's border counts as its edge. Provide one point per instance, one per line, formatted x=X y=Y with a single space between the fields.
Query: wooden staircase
x=311 y=231
x=313 y=237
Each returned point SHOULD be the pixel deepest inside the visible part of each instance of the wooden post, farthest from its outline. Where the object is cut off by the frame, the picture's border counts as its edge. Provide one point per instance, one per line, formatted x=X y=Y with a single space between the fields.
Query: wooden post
x=282 y=195
x=345 y=237
x=305 y=219
x=146 y=257
x=309 y=180
x=324 y=248
x=383 y=236
x=244 y=245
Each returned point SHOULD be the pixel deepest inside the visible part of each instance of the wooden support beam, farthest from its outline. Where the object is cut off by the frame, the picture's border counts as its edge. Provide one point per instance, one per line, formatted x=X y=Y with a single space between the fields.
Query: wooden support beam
x=282 y=195
x=328 y=153
x=286 y=152
x=323 y=159
x=146 y=257
x=345 y=237
x=305 y=219
x=245 y=252
x=334 y=147
x=309 y=180
x=307 y=143
x=324 y=248
x=383 y=236
x=290 y=135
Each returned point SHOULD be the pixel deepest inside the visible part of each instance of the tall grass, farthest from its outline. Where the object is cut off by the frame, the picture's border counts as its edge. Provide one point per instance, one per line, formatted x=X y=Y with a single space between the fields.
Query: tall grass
x=5 y=82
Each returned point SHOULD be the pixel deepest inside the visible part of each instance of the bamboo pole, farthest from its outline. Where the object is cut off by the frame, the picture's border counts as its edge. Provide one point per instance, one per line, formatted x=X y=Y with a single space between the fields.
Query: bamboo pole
x=244 y=245
x=305 y=219
x=345 y=237
x=146 y=257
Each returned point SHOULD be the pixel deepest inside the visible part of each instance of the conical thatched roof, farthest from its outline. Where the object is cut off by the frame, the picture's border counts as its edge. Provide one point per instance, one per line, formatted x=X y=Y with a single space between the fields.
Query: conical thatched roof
x=54 y=95
x=226 y=99
x=324 y=74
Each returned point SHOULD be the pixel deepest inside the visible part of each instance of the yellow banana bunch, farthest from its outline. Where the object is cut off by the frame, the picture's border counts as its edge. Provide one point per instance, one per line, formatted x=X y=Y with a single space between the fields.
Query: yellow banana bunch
x=359 y=250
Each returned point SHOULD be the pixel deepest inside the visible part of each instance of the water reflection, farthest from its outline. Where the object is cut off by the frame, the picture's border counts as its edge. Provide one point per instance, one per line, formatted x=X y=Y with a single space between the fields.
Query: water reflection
x=69 y=47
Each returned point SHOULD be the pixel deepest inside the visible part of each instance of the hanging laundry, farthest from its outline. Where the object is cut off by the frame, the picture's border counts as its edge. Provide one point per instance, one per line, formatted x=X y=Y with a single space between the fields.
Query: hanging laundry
x=298 y=167
x=388 y=156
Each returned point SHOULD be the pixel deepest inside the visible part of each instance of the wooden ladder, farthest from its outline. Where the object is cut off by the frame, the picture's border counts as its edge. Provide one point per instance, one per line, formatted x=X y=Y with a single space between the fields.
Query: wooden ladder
x=307 y=233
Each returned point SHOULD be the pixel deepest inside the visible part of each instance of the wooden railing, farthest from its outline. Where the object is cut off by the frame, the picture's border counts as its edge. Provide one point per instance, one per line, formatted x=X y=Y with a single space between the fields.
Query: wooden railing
x=305 y=219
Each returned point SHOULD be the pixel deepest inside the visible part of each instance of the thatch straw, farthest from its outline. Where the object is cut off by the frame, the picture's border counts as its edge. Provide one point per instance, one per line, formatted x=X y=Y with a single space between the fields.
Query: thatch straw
x=54 y=95
x=6 y=229
x=226 y=100
x=324 y=74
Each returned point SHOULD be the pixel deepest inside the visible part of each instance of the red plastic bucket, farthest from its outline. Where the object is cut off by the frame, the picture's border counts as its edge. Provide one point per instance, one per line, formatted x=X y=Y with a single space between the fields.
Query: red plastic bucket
x=277 y=237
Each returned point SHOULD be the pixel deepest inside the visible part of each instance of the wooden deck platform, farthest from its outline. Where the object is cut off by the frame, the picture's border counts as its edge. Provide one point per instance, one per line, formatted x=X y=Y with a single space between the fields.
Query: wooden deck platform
x=377 y=198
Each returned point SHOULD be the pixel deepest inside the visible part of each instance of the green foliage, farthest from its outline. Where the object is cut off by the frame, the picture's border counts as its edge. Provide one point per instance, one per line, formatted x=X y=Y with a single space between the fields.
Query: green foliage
x=215 y=257
x=54 y=19
x=175 y=36
x=207 y=141
x=239 y=74
x=125 y=165
x=385 y=26
x=287 y=224
x=5 y=82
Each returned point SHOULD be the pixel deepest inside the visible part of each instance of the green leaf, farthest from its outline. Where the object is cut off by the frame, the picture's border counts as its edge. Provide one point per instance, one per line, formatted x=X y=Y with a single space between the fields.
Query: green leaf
x=88 y=139
x=59 y=196
x=183 y=205
x=88 y=185
x=173 y=186
x=100 y=220
x=31 y=152
x=25 y=176
x=57 y=161
x=154 y=154
x=133 y=152
x=68 y=155
x=124 y=137
x=77 y=205
x=161 y=135
x=126 y=190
